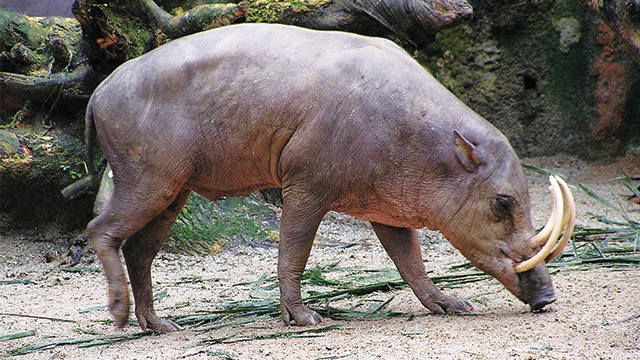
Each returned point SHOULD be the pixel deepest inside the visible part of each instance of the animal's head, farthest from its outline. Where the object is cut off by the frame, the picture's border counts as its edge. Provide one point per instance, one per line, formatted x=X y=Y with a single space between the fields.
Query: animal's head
x=489 y=219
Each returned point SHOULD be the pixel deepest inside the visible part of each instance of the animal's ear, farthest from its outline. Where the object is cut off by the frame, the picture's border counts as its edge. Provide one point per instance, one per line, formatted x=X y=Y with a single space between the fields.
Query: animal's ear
x=466 y=152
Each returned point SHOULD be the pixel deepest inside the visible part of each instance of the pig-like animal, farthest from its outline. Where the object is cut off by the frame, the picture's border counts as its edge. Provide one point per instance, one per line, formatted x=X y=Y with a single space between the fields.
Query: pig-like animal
x=340 y=122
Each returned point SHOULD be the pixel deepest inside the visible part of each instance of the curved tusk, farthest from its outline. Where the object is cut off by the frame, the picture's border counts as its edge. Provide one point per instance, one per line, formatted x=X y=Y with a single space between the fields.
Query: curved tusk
x=540 y=238
x=556 y=221
x=568 y=223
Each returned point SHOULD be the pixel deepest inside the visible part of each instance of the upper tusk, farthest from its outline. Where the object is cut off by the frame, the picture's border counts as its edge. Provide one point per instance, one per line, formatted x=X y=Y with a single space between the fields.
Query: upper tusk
x=555 y=223
x=568 y=223
x=542 y=237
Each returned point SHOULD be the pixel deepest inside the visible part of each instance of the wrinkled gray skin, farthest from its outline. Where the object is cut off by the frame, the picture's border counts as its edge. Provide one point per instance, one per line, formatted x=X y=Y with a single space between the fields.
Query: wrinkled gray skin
x=338 y=121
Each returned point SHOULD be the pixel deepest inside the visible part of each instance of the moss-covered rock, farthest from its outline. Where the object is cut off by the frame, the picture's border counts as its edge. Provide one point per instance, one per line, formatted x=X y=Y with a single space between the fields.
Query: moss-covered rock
x=569 y=31
x=28 y=45
x=9 y=144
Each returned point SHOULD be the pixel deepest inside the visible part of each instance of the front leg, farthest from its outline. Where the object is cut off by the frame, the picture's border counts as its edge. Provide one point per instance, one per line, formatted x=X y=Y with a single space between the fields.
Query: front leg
x=403 y=247
x=298 y=227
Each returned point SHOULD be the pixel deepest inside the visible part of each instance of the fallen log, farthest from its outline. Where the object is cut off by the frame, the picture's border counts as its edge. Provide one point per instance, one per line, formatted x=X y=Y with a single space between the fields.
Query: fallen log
x=71 y=89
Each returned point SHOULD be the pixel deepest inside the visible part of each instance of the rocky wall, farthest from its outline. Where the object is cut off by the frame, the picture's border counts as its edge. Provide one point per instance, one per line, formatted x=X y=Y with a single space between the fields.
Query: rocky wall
x=546 y=73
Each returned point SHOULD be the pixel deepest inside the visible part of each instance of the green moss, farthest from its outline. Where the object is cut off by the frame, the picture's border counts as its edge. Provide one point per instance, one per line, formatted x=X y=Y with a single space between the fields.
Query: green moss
x=533 y=81
x=23 y=29
x=265 y=11
x=34 y=34
x=133 y=32
x=273 y=11
x=138 y=38
x=568 y=80
x=454 y=40
x=565 y=74
x=569 y=30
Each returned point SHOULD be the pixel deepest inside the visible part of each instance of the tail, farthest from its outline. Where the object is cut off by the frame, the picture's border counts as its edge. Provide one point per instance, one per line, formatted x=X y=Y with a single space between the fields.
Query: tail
x=91 y=182
x=90 y=140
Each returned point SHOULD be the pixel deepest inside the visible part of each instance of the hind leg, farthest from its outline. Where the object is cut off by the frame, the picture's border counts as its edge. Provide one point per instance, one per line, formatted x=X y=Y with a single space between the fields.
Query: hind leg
x=139 y=251
x=128 y=211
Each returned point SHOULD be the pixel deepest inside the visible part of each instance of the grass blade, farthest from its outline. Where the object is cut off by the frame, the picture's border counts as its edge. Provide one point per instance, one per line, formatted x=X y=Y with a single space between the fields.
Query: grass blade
x=14 y=282
x=234 y=323
x=630 y=185
x=313 y=332
x=541 y=171
x=82 y=343
x=598 y=198
x=17 y=335
x=44 y=346
x=38 y=317
x=111 y=339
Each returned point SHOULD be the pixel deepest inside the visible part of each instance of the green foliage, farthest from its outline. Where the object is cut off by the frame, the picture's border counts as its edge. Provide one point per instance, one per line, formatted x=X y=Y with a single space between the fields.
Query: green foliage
x=72 y=172
x=204 y=227
x=273 y=11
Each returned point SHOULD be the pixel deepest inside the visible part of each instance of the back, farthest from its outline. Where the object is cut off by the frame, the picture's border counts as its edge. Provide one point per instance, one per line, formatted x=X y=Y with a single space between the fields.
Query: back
x=237 y=95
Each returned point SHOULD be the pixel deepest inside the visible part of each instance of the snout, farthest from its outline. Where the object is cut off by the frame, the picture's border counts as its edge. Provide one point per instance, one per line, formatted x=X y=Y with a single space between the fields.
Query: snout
x=536 y=289
x=543 y=300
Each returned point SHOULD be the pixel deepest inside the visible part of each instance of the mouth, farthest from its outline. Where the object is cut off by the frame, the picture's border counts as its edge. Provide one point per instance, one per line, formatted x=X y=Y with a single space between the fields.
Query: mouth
x=507 y=254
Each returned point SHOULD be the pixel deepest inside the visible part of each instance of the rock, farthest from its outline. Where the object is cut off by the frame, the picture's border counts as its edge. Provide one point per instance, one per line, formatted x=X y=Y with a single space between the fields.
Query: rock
x=488 y=56
x=9 y=144
x=569 y=29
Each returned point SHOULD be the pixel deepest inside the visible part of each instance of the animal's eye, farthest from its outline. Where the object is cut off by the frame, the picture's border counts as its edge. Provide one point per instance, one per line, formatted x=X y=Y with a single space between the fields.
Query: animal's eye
x=501 y=206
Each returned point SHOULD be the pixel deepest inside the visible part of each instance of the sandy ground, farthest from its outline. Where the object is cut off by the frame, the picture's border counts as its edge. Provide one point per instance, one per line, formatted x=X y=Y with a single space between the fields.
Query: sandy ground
x=597 y=315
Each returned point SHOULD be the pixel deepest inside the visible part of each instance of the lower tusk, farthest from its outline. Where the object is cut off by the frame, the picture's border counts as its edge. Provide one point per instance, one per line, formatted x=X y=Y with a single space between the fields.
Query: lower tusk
x=568 y=223
x=556 y=222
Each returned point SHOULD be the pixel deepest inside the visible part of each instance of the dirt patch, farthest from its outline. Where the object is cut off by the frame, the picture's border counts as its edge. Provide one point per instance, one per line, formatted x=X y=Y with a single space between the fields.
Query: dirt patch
x=597 y=315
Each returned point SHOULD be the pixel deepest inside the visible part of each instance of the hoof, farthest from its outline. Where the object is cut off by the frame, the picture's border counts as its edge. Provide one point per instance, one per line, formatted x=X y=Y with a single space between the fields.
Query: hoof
x=448 y=305
x=301 y=317
x=460 y=306
x=310 y=317
x=119 y=309
x=164 y=326
x=156 y=323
